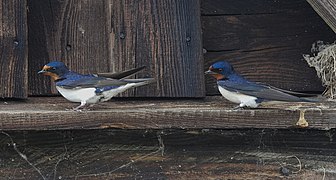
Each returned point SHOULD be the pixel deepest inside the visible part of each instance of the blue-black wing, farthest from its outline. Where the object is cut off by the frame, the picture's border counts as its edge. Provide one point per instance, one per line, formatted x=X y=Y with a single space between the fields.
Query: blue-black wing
x=258 y=90
x=89 y=82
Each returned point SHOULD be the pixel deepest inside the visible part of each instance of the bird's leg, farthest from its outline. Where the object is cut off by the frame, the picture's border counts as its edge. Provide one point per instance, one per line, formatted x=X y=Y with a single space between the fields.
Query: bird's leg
x=83 y=103
x=240 y=106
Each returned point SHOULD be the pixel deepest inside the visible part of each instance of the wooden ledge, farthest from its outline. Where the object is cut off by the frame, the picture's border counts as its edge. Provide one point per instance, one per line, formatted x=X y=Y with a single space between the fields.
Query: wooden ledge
x=49 y=113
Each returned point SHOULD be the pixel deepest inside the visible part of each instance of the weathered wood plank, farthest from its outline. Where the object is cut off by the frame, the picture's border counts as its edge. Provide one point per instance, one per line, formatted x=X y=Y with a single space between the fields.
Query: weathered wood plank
x=246 y=7
x=327 y=10
x=74 y=32
x=168 y=154
x=212 y=112
x=166 y=37
x=264 y=41
x=92 y=36
x=13 y=49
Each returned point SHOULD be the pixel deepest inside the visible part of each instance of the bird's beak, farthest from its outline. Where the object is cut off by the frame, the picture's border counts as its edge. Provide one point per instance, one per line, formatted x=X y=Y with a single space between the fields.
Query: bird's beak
x=42 y=71
x=216 y=75
x=209 y=72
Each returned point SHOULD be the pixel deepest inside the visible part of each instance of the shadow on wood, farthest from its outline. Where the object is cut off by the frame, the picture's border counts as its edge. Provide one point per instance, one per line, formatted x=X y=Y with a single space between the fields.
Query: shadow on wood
x=184 y=154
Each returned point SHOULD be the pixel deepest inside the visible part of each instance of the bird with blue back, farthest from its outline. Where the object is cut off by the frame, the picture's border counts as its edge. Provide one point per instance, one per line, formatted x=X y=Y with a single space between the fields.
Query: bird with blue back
x=239 y=90
x=90 y=88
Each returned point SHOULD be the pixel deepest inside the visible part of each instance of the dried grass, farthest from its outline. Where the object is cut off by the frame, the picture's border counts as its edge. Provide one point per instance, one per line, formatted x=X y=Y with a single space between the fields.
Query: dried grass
x=324 y=62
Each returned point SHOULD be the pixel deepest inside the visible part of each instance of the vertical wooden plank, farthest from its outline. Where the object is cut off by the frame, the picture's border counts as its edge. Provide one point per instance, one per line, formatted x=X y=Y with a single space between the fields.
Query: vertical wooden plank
x=165 y=36
x=327 y=10
x=75 y=32
x=13 y=49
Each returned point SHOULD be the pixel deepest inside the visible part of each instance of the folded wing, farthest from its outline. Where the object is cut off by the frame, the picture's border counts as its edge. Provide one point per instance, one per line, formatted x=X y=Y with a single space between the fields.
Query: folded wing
x=260 y=91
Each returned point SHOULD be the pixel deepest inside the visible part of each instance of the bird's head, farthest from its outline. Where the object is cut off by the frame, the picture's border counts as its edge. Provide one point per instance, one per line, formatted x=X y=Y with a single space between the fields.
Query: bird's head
x=56 y=70
x=220 y=70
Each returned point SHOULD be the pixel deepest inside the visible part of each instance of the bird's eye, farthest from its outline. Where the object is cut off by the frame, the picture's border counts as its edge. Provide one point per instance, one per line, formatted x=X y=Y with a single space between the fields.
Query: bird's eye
x=220 y=70
x=53 y=68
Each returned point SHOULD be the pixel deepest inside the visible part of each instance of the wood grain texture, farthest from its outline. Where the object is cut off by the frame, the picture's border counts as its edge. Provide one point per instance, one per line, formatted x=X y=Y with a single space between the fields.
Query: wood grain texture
x=245 y=7
x=109 y=35
x=327 y=10
x=166 y=37
x=264 y=40
x=212 y=112
x=168 y=154
x=13 y=49
x=74 y=32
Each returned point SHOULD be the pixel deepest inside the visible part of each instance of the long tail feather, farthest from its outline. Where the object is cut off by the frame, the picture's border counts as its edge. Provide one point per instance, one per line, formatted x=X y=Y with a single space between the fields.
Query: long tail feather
x=140 y=82
x=123 y=74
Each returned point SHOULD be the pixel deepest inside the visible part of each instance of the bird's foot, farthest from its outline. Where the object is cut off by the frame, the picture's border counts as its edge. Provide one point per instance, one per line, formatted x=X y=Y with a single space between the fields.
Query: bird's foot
x=243 y=107
x=78 y=108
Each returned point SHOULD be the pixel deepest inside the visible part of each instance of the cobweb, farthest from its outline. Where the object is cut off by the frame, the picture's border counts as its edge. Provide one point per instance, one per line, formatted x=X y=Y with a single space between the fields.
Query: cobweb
x=324 y=62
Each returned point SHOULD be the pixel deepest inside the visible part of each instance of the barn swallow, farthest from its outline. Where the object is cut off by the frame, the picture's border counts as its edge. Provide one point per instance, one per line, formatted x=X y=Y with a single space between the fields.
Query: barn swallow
x=237 y=89
x=90 y=88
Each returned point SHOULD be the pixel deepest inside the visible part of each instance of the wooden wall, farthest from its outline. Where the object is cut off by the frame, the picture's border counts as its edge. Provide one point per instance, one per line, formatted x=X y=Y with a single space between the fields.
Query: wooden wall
x=165 y=36
x=74 y=32
x=13 y=49
x=264 y=40
x=113 y=35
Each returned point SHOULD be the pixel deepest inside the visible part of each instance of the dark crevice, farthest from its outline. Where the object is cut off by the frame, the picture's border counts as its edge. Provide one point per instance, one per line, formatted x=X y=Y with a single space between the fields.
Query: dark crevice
x=224 y=50
x=251 y=50
x=236 y=14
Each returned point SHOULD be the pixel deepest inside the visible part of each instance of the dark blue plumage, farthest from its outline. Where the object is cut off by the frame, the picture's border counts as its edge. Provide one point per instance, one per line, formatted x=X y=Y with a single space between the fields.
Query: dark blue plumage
x=239 y=90
x=89 y=88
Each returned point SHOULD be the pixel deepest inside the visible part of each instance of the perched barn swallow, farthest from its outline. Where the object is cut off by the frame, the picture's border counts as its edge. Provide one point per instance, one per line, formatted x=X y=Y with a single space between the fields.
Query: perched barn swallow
x=237 y=89
x=90 y=88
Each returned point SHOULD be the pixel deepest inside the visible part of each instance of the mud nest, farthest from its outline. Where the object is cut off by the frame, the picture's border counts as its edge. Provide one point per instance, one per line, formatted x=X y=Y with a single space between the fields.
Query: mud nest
x=324 y=62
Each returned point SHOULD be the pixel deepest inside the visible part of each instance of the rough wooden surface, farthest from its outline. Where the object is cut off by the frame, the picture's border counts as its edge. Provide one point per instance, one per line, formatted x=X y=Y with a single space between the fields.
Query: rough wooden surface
x=74 y=32
x=13 y=49
x=166 y=37
x=327 y=10
x=264 y=40
x=213 y=112
x=112 y=35
x=168 y=154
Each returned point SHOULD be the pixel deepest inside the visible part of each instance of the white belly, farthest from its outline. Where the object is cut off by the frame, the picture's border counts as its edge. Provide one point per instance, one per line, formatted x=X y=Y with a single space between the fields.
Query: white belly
x=88 y=95
x=241 y=99
x=79 y=94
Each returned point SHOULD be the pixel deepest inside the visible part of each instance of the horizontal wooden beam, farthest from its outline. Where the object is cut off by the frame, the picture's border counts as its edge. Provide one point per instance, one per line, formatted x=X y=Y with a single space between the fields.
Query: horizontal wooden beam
x=171 y=154
x=49 y=113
